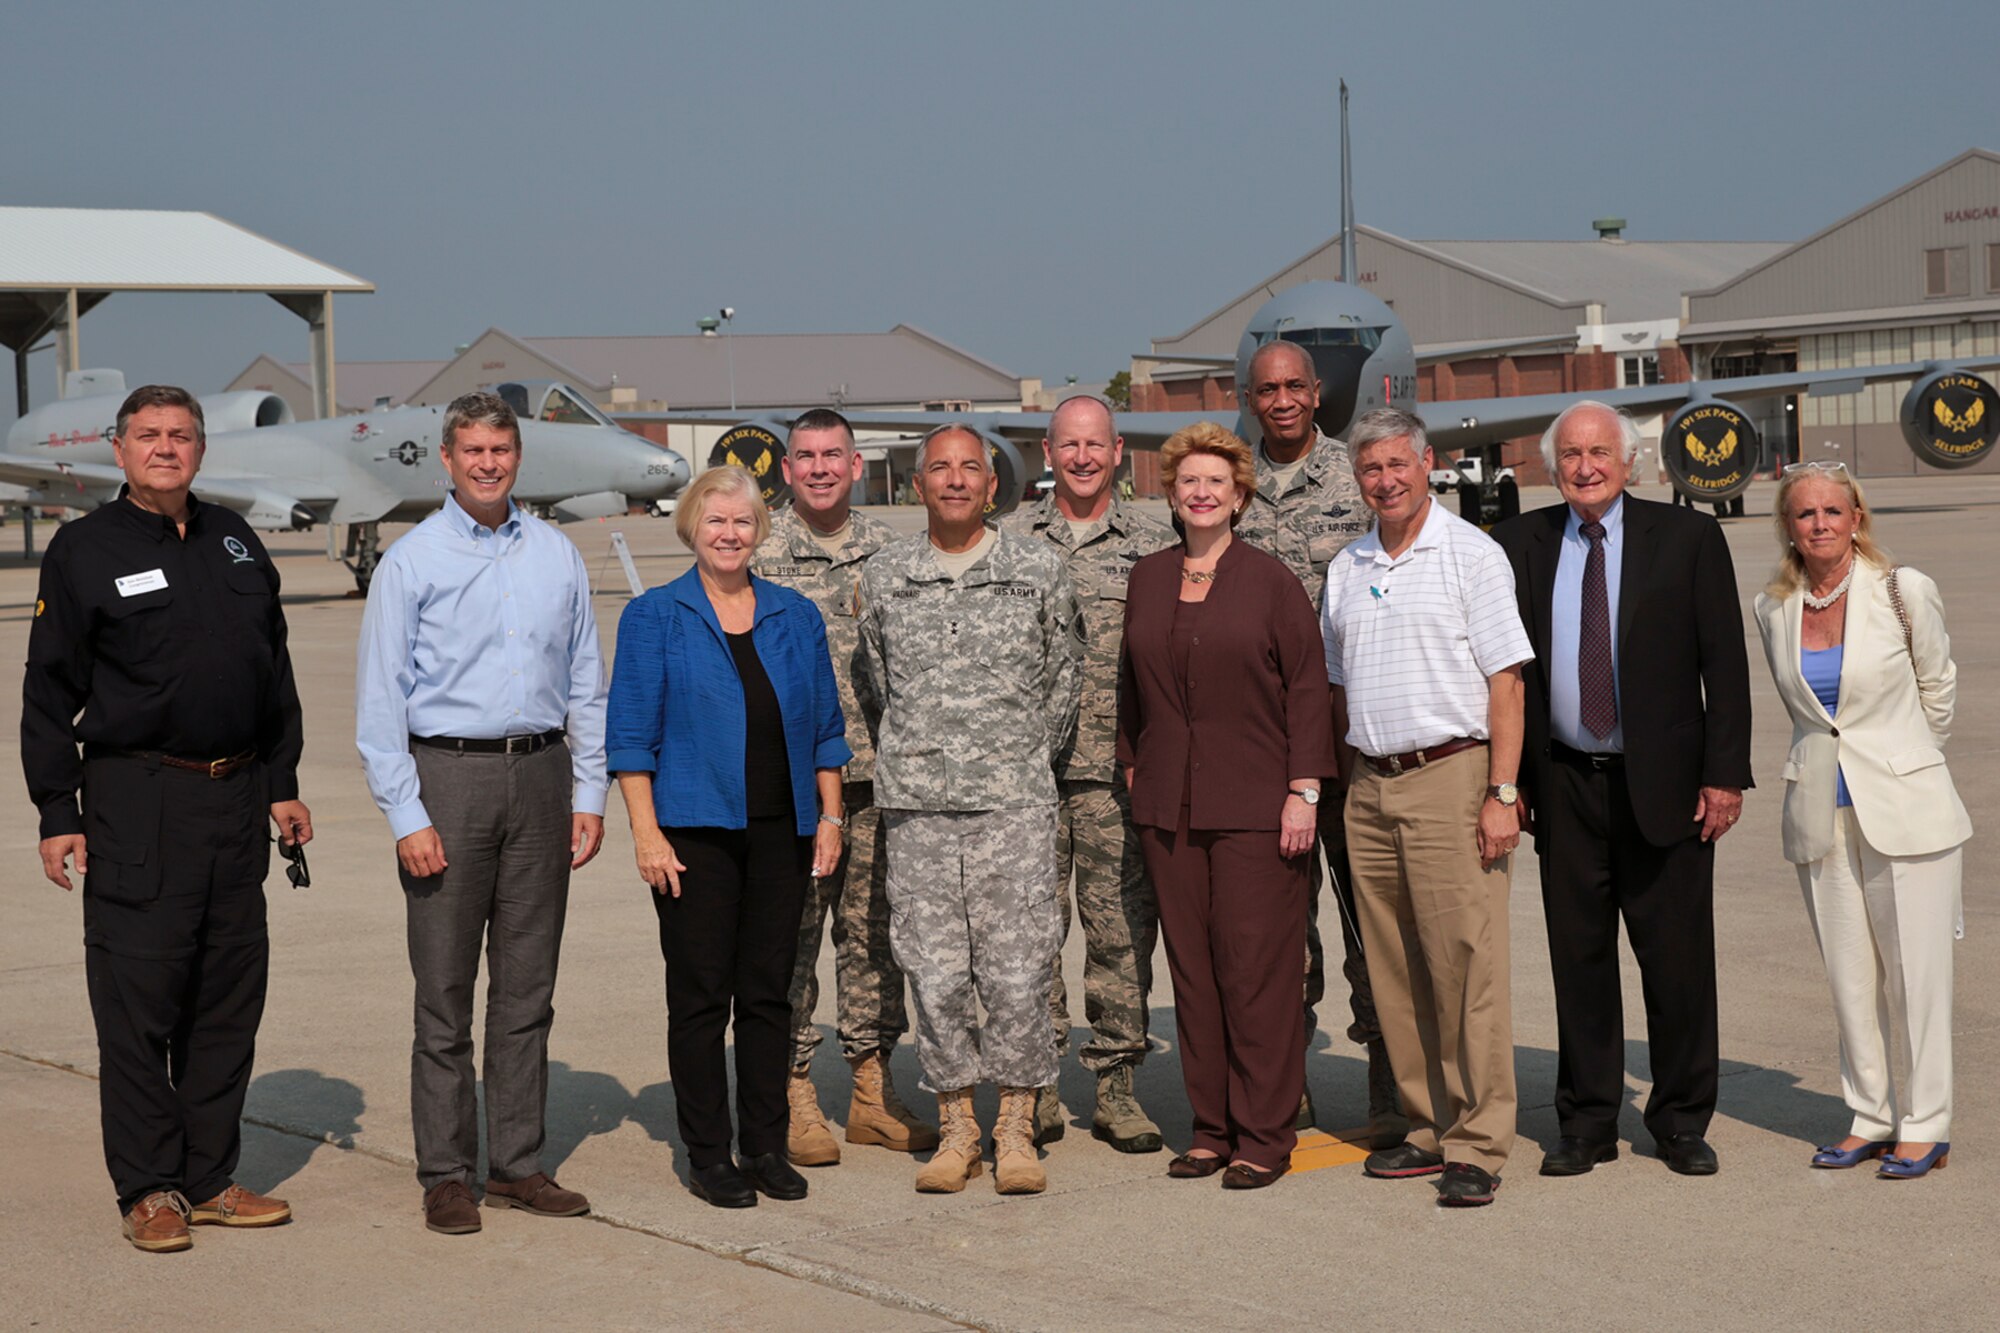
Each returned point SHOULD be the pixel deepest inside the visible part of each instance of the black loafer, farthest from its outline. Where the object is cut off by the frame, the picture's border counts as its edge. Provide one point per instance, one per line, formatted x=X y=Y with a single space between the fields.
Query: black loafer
x=1402 y=1162
x=1243 y=1176
x=1189 y=1167
x=1689 y=1155
x=1573 y=1156
x=722 y=1185
x=1466 y=1186
x=771 y=1173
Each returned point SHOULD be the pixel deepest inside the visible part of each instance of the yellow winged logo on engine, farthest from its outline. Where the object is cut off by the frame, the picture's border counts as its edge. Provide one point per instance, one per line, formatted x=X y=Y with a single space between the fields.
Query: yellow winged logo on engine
x=1960 y=423
x=1708 y=455
x=759 y=467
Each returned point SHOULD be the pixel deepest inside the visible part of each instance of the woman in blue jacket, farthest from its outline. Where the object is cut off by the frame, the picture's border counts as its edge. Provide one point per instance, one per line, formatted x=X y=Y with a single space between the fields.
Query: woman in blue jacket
x=726 y=734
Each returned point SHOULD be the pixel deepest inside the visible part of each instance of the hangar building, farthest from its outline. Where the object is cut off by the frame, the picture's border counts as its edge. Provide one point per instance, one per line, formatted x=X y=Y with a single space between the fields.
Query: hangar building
x=1916 y=274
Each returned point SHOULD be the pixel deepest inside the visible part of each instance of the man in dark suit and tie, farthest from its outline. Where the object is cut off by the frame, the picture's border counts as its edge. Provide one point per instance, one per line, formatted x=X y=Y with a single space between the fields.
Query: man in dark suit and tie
x=1636 y=758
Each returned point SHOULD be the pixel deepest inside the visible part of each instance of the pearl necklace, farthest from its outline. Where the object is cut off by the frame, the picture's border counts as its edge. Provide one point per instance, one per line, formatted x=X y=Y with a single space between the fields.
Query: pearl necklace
x=1839 y=591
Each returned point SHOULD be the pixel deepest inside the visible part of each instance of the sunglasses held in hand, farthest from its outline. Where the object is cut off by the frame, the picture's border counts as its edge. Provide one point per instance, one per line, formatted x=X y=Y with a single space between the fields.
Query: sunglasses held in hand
x=295 y=870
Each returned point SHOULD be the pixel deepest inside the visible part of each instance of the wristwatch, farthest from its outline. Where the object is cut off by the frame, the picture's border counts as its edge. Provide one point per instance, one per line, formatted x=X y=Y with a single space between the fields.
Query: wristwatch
x=1504 y=792
x=1310 y=795
x=834 y=820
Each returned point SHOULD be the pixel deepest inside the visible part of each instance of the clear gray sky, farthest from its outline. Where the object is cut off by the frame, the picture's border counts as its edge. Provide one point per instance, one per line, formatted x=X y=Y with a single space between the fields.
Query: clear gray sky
x=1048 y=185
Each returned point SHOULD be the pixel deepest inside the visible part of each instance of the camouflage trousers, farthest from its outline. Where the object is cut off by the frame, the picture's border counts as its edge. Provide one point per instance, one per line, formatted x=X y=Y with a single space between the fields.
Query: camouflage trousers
x=1121 y=924
x=972 y=917
x=1360 y=995
x=868 y=1003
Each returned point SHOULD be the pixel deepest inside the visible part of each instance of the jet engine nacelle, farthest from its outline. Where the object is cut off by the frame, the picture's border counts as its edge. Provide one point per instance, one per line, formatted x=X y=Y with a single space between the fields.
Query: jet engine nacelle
x=246 y=409
x=1951 y=419
x=73 y=421
x=1711 y=450
x=758 y=447
x=1011 y=471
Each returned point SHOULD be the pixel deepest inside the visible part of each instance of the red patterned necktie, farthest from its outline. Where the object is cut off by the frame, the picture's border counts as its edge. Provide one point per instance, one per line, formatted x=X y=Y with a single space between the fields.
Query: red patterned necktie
x=1596 y=691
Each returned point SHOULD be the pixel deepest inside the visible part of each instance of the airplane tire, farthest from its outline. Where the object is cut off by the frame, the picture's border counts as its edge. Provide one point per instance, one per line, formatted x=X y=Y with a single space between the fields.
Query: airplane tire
x=1469 y=503
x=1510 y=499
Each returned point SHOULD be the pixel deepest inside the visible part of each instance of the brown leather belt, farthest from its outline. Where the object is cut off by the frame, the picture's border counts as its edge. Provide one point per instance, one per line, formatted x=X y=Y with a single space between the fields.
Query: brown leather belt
x=214 y=768
x=1395 y=765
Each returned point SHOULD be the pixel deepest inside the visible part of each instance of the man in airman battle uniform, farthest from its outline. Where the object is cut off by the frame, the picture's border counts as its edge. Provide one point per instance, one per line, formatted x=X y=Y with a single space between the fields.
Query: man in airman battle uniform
x=1306 y=509
x=816 y=547
x=970 y=644
x=1100 y=539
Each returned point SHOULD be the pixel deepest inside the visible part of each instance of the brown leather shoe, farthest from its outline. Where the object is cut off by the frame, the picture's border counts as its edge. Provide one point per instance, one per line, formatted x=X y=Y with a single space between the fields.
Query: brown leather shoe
x=238 y=1207
x=449 y=1209
x=158 y=1223
x=538 y=1195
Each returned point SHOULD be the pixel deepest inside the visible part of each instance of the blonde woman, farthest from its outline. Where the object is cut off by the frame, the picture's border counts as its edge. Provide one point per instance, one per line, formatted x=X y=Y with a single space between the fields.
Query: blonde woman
x=1858 y=649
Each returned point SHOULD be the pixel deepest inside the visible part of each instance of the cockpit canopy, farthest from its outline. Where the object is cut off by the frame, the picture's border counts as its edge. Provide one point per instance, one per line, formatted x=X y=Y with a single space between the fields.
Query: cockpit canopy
x=550 y=401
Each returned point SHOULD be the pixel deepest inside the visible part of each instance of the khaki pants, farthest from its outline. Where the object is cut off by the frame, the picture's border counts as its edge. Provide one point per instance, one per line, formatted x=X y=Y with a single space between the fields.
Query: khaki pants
x=1435 y=928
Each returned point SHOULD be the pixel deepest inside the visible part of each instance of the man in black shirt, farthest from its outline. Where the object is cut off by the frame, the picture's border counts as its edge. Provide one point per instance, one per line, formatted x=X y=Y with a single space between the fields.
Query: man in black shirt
x=158 y=645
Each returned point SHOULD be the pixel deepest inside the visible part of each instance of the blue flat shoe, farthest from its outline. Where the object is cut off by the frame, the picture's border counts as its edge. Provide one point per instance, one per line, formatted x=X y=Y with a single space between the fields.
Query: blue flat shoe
x=1903 y=1168
x=1837 y=1159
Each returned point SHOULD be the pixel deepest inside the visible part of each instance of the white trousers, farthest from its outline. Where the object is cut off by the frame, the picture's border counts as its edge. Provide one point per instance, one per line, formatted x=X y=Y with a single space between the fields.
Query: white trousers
x=1885 y=927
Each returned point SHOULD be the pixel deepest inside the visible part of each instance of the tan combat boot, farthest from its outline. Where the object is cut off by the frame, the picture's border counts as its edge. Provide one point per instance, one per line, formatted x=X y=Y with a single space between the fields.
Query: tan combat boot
x=1017 y=1168
x=808 y=1142
x=877 y=1115
x=1119 y=1120
x=957 y=1158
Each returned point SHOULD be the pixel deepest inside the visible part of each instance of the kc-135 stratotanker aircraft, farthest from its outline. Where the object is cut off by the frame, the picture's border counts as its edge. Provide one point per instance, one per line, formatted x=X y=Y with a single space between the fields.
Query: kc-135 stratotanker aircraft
x=1365 y=360
x=362 y=471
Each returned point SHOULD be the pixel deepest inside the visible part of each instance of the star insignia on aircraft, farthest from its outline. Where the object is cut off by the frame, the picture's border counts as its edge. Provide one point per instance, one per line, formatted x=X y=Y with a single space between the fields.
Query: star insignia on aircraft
x=408 y=452
x=1711 y=453
x=1960 y=423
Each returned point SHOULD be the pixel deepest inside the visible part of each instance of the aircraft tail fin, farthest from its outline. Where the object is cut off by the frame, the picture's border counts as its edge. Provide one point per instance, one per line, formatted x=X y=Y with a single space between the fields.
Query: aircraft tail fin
x=94 y=383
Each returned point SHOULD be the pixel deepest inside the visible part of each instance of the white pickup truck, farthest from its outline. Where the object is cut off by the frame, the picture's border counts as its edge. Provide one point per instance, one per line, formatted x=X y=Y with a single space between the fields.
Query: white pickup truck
x=1444 y=480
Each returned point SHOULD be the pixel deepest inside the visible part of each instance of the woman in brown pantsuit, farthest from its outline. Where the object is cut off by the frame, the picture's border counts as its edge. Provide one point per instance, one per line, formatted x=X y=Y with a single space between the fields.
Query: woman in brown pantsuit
x=1225 y=731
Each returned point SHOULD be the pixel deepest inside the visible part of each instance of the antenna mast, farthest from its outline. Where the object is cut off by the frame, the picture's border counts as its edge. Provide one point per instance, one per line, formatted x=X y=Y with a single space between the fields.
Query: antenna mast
x=1348 y=271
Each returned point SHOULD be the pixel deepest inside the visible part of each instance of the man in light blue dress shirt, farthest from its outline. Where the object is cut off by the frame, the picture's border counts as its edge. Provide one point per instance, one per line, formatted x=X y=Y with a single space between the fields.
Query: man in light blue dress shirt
x=479 y=713
x=1566 y=629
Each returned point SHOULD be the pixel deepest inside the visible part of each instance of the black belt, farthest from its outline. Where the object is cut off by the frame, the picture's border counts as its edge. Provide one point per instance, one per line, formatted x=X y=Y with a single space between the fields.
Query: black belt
x=1600 y=763
x=491 y=744
x=1395 y=765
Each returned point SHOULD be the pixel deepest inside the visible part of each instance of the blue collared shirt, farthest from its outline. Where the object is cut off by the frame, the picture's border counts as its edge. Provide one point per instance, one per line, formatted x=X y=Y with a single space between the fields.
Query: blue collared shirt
x=1566 y=631
x=477 y=633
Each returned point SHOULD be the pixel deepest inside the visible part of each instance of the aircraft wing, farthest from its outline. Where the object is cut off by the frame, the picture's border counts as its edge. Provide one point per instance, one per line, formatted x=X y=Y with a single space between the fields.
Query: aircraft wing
x=1472 y=421
x=266 y=502
x=1142 y=430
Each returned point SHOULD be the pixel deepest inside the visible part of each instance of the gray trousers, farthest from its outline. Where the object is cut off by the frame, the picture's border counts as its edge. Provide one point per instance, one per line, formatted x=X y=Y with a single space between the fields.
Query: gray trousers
x=974 y=920
x=504 y=821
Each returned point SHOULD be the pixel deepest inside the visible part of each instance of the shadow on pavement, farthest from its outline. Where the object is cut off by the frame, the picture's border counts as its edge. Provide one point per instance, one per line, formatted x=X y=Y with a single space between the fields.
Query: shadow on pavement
x=329 y=1107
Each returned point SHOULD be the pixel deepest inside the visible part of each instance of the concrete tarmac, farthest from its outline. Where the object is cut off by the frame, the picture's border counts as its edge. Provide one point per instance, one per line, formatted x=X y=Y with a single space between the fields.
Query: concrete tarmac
x=1114 y=1244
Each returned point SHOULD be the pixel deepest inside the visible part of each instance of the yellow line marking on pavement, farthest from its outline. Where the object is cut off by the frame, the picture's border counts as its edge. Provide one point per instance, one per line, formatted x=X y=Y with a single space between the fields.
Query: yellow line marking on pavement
x=1318 y=1149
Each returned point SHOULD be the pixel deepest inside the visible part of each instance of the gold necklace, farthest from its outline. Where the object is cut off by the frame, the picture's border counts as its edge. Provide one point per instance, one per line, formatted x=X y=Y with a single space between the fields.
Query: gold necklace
x=1198 y=575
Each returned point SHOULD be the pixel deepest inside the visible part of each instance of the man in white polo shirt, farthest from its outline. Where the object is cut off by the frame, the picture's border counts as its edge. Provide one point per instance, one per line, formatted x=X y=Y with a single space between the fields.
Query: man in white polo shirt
x=1424 y=648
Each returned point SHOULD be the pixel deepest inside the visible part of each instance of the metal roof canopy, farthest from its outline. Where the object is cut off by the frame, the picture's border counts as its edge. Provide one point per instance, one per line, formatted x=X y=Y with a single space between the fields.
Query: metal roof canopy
x=56 y=264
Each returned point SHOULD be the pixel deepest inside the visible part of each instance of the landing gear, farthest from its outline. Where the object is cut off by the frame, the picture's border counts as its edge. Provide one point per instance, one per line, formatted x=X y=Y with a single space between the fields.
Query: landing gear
x=364 y=552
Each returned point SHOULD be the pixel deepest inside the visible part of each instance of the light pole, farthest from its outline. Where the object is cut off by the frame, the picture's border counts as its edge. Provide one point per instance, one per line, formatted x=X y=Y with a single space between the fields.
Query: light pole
x=708 y=324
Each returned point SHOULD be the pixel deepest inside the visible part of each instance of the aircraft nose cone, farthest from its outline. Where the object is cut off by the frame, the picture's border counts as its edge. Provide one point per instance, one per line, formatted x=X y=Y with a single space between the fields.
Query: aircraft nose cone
x=659 y=474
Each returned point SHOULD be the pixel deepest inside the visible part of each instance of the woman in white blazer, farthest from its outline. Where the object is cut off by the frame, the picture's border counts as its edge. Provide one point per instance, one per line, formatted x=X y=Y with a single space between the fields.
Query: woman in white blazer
x=1858 y=649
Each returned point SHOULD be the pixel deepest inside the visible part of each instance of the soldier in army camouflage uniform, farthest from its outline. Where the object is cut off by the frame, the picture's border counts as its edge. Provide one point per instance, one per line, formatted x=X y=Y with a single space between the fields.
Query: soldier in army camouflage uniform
x=970 y=645
x=1306 y=509
x=1100 y=539
x=816 y=547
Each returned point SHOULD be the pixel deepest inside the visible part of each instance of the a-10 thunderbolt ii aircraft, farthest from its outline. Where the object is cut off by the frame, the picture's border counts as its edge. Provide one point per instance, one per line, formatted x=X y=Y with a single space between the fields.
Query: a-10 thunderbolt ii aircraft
x=1365 y=360
x=362 y=471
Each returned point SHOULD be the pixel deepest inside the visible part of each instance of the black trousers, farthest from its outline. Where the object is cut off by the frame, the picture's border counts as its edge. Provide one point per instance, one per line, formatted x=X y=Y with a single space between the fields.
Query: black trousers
x=729 y=942
x=1596 y=867
x=175 y=957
